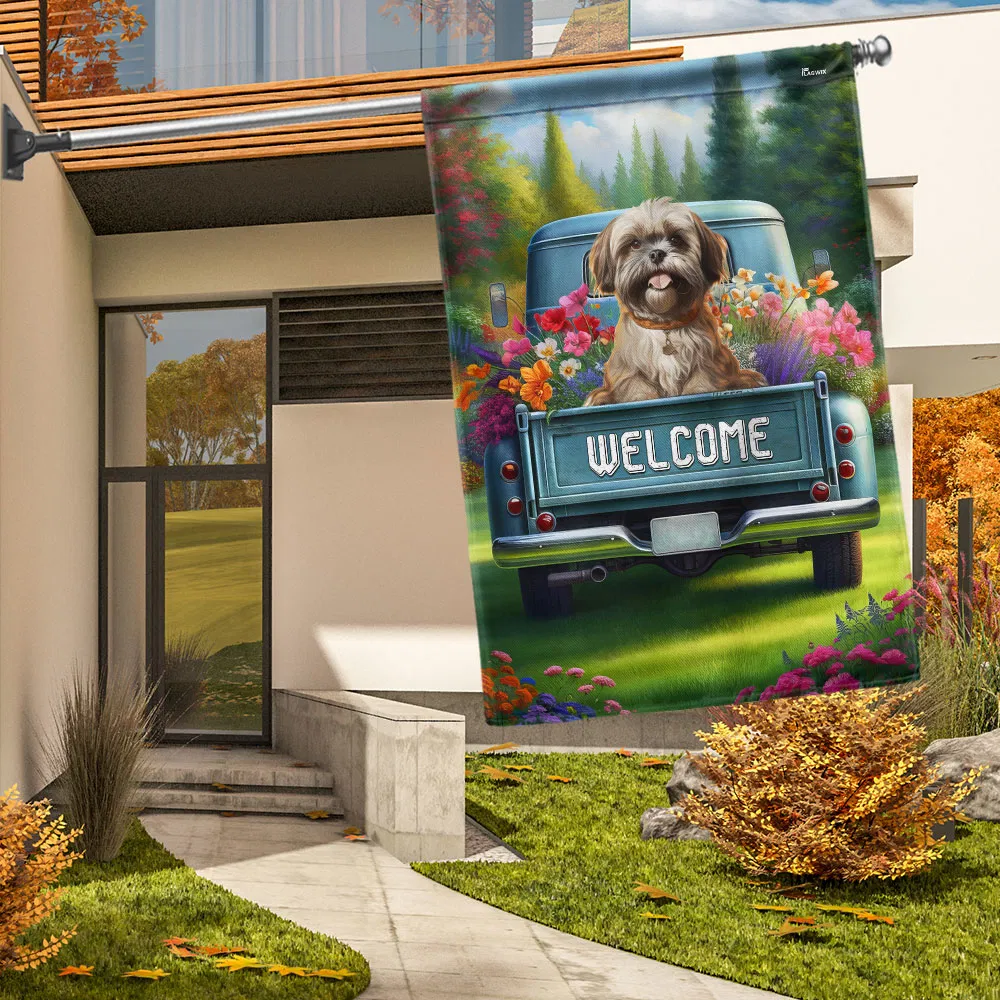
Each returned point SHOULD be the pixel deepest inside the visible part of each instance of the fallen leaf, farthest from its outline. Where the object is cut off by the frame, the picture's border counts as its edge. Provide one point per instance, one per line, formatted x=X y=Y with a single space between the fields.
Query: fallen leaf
x=221 y=786
x=213 y=950
x=874 y=918
x=496 y=774
x=176 y=940
x=238 y=964
x=287 y=970
x=228 y=815
x=499 y=747
x=840 y=909
x=77 y=970
x=655 y=916
x=517 y=767
x=558 y=777
x=651 y=892
x=469 y=774
x=317 y=814
x=776 y=909
x=625 y=753
x=805 y=921
x=355 y=836
x=180 y=952
x=653 y=762
x=156 y=974
x=302 y=763
x=797 y=894
x=351 y=830
x=332 y=973
x=795 y=928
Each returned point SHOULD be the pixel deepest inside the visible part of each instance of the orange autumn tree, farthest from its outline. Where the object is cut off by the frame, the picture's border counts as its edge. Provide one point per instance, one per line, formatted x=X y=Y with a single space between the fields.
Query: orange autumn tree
x=456 y=18
x=82 y=53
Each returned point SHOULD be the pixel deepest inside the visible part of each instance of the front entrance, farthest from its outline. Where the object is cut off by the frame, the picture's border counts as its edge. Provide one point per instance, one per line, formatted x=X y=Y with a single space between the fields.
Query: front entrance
x=185 y=516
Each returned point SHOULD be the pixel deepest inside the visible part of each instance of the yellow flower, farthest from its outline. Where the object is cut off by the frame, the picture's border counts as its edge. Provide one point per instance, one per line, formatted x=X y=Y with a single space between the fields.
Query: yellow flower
x=510 y=384
x=727 y=329
x=478 y=371
x=780 y=283
x=466 y=396
x=755 y=293
x=744 y=274
x=800 y=293
x=824 y=283
x=536 y=391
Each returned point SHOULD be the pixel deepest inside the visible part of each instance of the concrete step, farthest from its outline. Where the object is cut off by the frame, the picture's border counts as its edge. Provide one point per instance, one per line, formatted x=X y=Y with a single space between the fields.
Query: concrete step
x=201 y=765
x=249 y=800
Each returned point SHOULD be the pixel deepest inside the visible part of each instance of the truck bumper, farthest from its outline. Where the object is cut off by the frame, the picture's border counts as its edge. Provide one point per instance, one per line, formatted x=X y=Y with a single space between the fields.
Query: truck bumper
x=769 y=524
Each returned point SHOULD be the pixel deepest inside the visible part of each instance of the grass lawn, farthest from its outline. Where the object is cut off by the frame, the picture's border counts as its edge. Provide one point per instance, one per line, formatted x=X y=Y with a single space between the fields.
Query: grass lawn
x=671 y=643
x=232 y=694
x=584 y=854
x=214 y=575
x=126 y=908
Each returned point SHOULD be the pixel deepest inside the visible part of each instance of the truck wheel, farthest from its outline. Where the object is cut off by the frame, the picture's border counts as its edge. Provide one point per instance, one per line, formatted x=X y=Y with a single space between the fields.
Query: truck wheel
x=837 y=561
x=539 y=599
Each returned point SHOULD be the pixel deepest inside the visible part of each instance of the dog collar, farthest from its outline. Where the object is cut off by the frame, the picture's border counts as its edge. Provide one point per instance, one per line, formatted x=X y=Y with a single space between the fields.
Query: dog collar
x=674 y=324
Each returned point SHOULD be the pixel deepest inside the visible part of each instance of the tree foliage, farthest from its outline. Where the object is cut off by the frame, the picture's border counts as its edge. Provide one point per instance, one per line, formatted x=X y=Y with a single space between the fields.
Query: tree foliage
x=564 y=192
x=454 y=18
x=640 y=173
x=82 y=54
x=832 y=787
x=733 y=139
x=663 y=183
x=621 y=187
x=692 y=186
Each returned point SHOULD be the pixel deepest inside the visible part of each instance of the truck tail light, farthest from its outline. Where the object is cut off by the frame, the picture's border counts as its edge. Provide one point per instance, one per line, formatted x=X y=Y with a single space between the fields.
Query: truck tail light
x=510 y=471
x=545 y=521
x=846 y=469
x=844 y=433
x=820 y=492
x=515 y=506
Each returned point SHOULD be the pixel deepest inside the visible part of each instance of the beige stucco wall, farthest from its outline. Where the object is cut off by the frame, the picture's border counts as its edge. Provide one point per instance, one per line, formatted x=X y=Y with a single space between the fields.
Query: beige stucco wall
x=48 y=455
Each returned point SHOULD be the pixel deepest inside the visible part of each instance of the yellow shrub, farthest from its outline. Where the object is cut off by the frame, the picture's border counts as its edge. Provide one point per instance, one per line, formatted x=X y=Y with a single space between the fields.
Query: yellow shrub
x=33 y=852
x=828 y=786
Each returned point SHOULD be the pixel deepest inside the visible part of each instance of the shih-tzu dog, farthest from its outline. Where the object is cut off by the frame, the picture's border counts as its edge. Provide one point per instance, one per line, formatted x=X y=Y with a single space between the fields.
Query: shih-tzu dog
x=660 y=261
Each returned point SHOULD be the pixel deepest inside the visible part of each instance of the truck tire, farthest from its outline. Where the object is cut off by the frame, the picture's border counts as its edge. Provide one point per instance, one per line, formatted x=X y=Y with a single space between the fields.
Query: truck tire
x=837 y=561
x=539 y=599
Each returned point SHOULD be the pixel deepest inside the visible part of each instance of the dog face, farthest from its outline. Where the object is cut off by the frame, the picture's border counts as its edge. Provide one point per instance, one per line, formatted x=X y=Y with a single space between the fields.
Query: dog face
x=658 y=258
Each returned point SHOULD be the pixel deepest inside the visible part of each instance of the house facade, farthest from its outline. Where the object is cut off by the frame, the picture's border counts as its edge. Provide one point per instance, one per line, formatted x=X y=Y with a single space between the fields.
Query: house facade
x=299 y=266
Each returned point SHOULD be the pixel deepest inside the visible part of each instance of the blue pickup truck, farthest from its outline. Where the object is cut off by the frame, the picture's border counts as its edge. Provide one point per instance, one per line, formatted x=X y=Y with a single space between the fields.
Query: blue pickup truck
x=679 y=482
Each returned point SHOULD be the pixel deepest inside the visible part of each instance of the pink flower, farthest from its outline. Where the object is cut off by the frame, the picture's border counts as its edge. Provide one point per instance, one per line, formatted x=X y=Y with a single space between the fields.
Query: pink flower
x=820 y=655
x=892 y=657
x=890 y=616
x=901 y=631
x=624 y=711
x=822 y=313
x=519 y=328
x=833 y=668
x=822 y=344
x=577 y=342
x=553 y=320
x=612 y=706
x=575 y=301
x=884 y=642
x=515 y=348
x=862 y=652
x=603 y=681
x=892 y=595
x=745 y=693
x=842 y=682
x=501 y=656
x=552 y=671
x=848 y=313
x=585 y=688
x=771 y=305
x=574 y=672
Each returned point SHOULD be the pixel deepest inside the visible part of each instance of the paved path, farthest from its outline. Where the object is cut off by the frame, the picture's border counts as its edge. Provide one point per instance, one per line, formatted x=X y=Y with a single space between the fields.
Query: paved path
x=422 y=940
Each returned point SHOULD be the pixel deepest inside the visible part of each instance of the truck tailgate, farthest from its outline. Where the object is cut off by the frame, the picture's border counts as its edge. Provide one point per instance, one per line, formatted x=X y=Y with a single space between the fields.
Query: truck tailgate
x=759 y=440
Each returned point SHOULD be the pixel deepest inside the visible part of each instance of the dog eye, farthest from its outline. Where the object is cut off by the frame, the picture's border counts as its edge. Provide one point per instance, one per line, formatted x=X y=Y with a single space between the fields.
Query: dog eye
x=635 y=244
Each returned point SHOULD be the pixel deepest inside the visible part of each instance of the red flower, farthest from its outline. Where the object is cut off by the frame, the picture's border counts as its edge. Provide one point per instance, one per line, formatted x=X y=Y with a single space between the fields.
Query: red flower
x=586 y=324
x=553 y=321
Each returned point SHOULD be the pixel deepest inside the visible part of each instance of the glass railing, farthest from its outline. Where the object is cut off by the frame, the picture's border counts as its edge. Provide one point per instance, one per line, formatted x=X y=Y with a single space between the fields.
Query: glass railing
x=95 y=48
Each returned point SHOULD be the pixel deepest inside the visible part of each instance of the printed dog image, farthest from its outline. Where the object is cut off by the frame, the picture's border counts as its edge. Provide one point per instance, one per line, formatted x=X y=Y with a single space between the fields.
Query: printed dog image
x=660 y=260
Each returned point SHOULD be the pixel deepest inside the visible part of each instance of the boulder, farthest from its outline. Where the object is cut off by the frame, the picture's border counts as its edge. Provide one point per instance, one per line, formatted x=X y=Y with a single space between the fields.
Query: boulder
x=956 y=756
x=658 y=823
x=686 y=779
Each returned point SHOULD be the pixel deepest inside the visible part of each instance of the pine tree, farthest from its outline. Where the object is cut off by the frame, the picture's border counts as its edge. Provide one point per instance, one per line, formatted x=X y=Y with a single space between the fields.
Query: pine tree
x=733 y=140
x=564 y=192
x=604 y=192
x=663 y=182
x=621 y=187
x=640 y=175
x=692 y=184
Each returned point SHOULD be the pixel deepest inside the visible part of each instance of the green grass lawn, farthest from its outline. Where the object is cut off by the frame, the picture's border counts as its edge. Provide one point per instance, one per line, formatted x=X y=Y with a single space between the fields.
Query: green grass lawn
x=584 y=855
x=671 y=643
x=124 y=910
x=214 y=575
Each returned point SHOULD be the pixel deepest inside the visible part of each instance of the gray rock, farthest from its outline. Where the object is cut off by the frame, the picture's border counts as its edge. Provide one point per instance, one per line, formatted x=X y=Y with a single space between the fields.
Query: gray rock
x=686 y=779
x=658 y=823
x=954 y=757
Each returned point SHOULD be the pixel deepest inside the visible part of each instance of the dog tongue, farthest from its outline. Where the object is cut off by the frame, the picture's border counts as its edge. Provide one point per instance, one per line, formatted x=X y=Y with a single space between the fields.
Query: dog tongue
x=660 y=280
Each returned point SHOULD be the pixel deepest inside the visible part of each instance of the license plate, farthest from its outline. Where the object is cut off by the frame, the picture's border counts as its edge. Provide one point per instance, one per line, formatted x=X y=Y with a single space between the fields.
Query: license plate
x=685 y=533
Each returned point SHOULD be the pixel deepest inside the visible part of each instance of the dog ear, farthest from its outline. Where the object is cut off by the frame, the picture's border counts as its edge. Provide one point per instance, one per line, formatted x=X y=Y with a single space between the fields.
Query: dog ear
x=602 y=262
x=714 y=263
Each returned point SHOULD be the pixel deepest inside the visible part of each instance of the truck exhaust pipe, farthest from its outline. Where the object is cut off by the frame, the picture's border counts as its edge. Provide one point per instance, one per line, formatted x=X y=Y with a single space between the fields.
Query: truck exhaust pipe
x=596 y=574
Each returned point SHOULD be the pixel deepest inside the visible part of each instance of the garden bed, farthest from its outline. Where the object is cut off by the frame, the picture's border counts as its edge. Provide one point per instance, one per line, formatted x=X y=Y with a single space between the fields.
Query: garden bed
x=124 y=910
x=584 y=856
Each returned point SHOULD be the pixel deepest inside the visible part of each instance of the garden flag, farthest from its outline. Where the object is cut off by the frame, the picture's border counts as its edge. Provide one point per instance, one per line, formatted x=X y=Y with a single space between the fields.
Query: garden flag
x=670 y=390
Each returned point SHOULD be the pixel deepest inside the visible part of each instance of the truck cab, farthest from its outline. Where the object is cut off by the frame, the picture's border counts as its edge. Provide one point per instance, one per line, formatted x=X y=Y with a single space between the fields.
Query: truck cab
x=580 y=493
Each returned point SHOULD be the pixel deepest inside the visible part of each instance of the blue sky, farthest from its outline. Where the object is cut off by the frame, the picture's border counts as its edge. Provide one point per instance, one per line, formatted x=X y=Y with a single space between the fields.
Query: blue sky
x=680 y=17
x=190 y=331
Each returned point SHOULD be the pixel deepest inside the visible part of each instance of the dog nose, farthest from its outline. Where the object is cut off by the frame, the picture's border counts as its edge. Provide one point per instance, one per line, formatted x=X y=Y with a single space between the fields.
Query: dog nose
x=657 y=256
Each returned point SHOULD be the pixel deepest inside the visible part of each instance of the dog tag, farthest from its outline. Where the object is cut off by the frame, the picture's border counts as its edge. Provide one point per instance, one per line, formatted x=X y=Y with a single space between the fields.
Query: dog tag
x=672 y=536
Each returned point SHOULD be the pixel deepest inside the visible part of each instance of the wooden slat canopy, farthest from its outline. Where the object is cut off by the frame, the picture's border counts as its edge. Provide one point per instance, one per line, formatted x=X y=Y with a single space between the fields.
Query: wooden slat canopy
x=21 y=37
x=395 y=131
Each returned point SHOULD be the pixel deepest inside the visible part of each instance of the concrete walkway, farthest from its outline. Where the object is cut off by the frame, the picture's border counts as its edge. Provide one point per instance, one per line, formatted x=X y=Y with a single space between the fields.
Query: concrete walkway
x=423 y=941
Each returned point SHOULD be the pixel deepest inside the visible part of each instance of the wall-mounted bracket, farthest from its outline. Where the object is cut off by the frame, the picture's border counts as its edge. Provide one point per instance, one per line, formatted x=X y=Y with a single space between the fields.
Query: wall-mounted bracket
x=20 y=145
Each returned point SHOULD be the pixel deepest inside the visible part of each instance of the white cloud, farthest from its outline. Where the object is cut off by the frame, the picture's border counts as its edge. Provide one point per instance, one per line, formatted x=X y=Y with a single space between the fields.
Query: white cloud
x=671 y=18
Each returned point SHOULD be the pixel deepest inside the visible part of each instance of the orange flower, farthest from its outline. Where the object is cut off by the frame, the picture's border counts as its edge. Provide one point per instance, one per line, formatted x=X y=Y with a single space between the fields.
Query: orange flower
x=510 y=384
x=800 y=293
x=824 y=283
x=506 y=706
x=536 y=391
x=479 y=371
x=510 y=681
x=466 y=396
x=746 y=312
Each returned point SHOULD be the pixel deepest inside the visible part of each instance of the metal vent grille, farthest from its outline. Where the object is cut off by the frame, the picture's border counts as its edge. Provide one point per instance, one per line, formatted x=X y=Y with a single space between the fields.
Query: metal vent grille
x=352 y=346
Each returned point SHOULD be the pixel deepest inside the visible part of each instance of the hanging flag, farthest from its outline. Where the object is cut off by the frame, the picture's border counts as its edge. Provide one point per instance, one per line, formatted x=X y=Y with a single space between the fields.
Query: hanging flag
x=670 y=390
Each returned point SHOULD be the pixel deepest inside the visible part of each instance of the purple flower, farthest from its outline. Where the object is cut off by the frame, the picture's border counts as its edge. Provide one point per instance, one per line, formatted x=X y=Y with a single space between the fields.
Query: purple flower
x=494 y=419
x=574 y=672
x=585 y=688
x=552 y=671
x=842 y=682
x=603 y=681
x=785 y=360
x=548 y=700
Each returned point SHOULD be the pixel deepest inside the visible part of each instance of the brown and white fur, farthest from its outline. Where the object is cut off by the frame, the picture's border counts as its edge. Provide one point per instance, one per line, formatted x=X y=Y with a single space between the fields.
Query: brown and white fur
x=660 y=261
